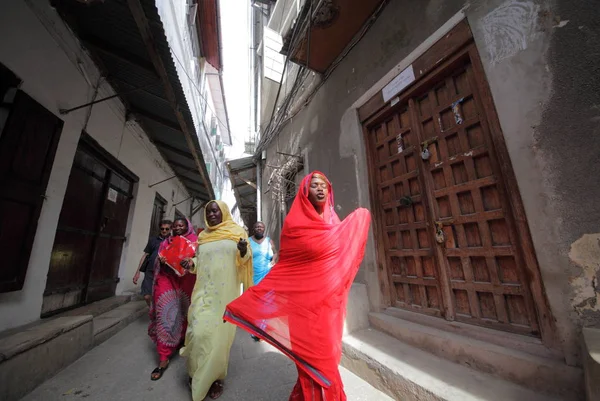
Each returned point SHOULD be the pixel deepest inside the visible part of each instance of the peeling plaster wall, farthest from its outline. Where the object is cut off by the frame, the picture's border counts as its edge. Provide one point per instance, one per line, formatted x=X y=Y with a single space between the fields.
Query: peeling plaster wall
x=568 y=138
x=541 y=60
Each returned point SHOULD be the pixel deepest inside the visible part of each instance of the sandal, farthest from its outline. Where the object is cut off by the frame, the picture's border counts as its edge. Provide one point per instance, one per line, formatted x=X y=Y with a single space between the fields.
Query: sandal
x=158 y=373
x=216 y=390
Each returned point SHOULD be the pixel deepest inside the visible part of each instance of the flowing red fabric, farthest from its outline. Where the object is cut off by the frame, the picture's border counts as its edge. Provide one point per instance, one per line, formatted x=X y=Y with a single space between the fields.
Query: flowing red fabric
x=300 y=306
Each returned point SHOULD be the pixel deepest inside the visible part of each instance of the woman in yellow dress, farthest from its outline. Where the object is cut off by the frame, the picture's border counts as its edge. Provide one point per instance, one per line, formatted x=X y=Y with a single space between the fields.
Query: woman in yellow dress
x=223 y=261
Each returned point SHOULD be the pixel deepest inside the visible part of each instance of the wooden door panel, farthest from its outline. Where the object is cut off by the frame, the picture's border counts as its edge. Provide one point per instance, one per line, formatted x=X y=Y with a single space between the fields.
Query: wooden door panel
x=27 y=148
x=115 y=214
x=76 y=232
x=408 y=244
x=109 y=245
x=82 y=189
x=70 y=256
x=466 y=189
x=475 y=273
x=104 y=269
x=91 y=232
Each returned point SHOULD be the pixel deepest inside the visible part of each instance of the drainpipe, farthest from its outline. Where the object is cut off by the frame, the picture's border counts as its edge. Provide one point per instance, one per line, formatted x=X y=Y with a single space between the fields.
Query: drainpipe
x=259 y=190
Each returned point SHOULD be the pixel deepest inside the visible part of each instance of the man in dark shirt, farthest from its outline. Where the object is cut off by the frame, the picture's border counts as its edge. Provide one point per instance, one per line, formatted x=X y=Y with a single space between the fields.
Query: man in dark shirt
x=150 y=253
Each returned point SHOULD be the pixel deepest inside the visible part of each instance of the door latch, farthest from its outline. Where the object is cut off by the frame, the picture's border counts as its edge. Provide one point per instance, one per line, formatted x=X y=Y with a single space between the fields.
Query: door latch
x=440 y=236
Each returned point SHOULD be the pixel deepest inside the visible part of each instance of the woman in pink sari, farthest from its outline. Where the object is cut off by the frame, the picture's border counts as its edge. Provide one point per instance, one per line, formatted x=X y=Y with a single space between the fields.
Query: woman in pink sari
x=170 y=302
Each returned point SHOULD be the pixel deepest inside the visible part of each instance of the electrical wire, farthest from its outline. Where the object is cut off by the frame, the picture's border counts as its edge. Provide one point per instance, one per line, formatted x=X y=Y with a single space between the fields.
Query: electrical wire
x=268 y=135
x=274 y=127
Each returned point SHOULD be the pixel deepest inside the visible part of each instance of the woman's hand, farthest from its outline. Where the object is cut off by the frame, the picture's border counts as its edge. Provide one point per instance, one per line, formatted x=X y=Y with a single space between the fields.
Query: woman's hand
x=136 y=277
x=162 y=259
x=242 y=246
x=187 y=264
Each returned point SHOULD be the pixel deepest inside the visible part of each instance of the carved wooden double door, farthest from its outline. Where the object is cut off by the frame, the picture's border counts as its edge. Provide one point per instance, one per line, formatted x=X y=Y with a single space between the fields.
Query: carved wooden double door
x=446 y=229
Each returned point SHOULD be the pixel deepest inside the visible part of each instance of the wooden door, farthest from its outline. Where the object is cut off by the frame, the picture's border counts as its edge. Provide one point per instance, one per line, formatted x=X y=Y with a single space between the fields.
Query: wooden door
x=405 y=226
x=450 y=242
x=90 y=234
x=27 y=148
x=158 y=212
x=106 y=260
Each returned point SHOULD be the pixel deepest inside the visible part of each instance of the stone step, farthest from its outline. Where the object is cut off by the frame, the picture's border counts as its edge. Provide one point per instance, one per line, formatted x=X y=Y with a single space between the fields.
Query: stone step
x=36 y=352
x=407 y=373
x=99 y=307
x=108 y=324
x=590 y=346
x=541 y=374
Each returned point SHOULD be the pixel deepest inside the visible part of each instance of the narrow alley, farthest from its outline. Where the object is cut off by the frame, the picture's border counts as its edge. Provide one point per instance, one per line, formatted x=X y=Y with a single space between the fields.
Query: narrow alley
x=406 y=187
x=119 y=369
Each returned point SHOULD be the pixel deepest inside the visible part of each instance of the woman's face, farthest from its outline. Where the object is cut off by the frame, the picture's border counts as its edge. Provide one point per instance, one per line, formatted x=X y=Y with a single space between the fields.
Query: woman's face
x=318 y=192
x=180 y=227
x=214 y=215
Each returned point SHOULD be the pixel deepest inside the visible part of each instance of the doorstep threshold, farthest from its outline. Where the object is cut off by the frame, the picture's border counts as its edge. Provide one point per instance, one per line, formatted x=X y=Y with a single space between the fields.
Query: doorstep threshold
x=408 y=373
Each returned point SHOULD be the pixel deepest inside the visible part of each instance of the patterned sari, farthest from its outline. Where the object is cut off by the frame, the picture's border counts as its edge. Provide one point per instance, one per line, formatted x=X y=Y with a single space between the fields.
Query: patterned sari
x=170 y=303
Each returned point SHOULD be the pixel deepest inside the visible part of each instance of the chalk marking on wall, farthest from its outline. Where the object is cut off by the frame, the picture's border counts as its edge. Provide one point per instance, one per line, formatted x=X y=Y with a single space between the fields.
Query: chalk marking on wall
x=509 y=28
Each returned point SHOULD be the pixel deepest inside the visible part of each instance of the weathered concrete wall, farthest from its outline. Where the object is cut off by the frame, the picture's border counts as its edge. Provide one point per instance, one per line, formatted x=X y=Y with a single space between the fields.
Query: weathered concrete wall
x=540 y=58
x=541 y=61
x=44 y=54
x=328 y=131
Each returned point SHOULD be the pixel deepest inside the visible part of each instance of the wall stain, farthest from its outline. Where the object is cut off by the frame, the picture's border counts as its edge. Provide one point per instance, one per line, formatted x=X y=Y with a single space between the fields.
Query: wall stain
x=585 y=253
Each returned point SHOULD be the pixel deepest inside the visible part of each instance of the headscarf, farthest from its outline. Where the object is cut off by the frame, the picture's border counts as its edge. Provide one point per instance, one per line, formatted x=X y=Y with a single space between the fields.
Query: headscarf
x=228 y=229
x=189 y=234
x=299 y=307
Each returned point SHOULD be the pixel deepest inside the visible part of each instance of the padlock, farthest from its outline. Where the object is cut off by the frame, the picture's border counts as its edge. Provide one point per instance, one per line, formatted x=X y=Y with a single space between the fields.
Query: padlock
x=425 y=154
x=440 y=237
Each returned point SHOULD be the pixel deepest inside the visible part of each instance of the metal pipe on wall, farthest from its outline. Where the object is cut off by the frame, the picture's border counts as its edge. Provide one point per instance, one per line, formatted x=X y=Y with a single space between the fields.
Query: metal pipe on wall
x=259 y=190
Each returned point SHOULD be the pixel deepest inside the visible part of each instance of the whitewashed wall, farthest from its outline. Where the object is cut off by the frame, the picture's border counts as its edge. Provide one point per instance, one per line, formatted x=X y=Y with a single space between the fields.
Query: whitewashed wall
x=174 y=17
x=36 y=45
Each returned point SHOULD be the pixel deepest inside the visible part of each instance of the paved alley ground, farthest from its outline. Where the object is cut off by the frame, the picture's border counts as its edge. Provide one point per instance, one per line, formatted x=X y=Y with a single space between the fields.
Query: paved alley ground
x=119 y=369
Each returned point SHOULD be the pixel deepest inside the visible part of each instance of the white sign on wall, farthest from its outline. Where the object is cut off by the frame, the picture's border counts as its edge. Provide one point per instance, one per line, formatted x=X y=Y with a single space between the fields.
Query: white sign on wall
x=398 y=84
x=112 y=195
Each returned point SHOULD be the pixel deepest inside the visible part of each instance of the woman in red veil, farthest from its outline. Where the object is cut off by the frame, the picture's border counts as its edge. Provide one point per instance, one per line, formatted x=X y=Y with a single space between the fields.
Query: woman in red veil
x=300 y=306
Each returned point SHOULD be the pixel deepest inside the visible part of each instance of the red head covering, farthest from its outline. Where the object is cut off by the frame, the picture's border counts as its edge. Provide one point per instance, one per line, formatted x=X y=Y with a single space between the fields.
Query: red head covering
x=299 y=307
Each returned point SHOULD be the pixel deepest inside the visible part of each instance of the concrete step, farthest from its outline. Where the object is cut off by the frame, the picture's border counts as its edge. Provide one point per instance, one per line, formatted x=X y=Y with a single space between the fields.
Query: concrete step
x=590 y=346
x=99 y=307
x=108 y=324
x=36 y=352
x=407 y=373
x=541 y=374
